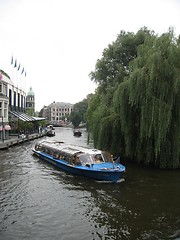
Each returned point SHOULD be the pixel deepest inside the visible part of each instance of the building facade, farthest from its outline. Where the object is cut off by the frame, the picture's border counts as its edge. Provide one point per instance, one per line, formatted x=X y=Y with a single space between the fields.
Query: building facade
x=57 y=112
x=12 y=105
x=11 y=99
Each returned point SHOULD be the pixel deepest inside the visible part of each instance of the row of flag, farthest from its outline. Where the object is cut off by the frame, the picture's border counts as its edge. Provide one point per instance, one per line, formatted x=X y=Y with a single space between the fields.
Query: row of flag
x=15 y=65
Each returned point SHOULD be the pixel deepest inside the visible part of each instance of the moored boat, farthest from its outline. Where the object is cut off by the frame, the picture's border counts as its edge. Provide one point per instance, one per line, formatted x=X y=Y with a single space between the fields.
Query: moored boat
x=92 y=163
x=50 y=131
x=77 y=133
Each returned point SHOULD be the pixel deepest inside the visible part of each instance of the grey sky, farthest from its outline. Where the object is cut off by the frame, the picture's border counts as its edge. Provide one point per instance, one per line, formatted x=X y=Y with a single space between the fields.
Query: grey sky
x=58 y=42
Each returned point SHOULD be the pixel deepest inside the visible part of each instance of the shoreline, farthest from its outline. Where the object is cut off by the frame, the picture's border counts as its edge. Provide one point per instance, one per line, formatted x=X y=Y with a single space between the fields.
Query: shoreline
x=16 y=141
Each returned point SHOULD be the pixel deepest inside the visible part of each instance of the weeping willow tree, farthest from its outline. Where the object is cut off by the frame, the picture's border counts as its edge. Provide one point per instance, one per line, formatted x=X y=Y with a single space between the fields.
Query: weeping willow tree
x=102 y=119
x=136 y=109
x=153 y=93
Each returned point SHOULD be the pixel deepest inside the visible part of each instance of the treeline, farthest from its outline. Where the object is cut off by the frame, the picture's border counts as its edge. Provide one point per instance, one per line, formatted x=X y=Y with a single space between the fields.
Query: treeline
x=135 y=111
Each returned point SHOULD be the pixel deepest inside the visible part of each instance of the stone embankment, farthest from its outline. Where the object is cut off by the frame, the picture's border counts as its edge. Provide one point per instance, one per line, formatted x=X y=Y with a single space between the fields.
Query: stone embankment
x=15 y=140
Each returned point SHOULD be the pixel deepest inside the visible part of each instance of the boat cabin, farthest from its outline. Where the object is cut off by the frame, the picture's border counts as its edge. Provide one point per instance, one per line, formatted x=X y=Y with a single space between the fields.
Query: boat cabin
x=73 y=155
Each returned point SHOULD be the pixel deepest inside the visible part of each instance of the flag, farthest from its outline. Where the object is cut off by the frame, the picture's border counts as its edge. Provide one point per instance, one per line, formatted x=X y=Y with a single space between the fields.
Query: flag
x=25 y=73
x=15 y=64
x=12 y=60
x=22 y=71
x=0 y=76
x=18 y=67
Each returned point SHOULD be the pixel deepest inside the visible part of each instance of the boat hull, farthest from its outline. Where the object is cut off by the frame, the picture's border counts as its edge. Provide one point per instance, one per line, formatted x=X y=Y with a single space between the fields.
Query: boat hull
x=77 y=133
x=112 y=175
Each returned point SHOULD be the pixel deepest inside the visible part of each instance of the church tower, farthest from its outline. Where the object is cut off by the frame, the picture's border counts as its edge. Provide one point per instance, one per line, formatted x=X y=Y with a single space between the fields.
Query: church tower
x=30 y=102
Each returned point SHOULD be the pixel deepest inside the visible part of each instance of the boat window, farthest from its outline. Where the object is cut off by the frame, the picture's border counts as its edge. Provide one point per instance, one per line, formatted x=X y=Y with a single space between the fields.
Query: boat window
x=56 y=154
x=107 y=156
x=77 y=161
x=62 y=156
x=85 y=158
x=44 y=150
x=69 y=158
x=40 y=147
x=98 y=158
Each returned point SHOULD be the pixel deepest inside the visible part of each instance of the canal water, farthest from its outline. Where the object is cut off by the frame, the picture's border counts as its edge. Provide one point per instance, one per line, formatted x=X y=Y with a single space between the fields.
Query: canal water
x=38 y=201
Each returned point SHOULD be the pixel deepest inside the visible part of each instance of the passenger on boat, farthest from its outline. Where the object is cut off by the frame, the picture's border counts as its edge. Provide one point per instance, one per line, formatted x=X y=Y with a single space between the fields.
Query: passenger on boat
x=77 y=161
x=98 y=158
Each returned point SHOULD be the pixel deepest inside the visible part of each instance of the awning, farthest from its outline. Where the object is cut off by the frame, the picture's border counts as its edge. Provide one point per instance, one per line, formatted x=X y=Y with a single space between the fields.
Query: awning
x=39 y=118
x=22 y=116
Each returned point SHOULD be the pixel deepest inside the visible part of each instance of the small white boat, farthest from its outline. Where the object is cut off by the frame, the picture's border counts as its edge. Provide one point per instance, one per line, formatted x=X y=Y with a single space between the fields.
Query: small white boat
x=50 y=131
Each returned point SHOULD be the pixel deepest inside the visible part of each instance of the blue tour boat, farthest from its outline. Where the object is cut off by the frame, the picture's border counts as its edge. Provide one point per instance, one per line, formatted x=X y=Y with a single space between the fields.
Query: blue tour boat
x=92 y=163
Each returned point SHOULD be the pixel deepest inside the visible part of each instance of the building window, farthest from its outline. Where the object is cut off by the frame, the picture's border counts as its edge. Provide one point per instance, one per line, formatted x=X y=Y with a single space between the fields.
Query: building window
x=18 y=100
x=5 y=110
x=21 y=101
x=1 y=88
x=5 y=90
x=14 y=99
x=24 y=100
x=10 y=98
x=1 y=109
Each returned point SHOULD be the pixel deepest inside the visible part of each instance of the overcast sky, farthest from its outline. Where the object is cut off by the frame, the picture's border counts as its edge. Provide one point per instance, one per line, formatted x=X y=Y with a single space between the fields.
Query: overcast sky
x=59 y=41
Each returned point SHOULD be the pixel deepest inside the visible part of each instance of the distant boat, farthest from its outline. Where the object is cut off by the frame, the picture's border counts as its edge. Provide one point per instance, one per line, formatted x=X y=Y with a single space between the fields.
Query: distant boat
x=87 y=162
x=77 y=133
x=50 y=131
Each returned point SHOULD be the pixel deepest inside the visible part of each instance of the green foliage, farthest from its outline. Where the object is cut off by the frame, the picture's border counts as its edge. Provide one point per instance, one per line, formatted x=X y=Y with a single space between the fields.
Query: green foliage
x=80 y=108
x=136 y=110
x=153 y=86
x=23 y=126
x=30 y=112
x=94 y=115
x=109 y=73
x=114 y=64
x=75 y=118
